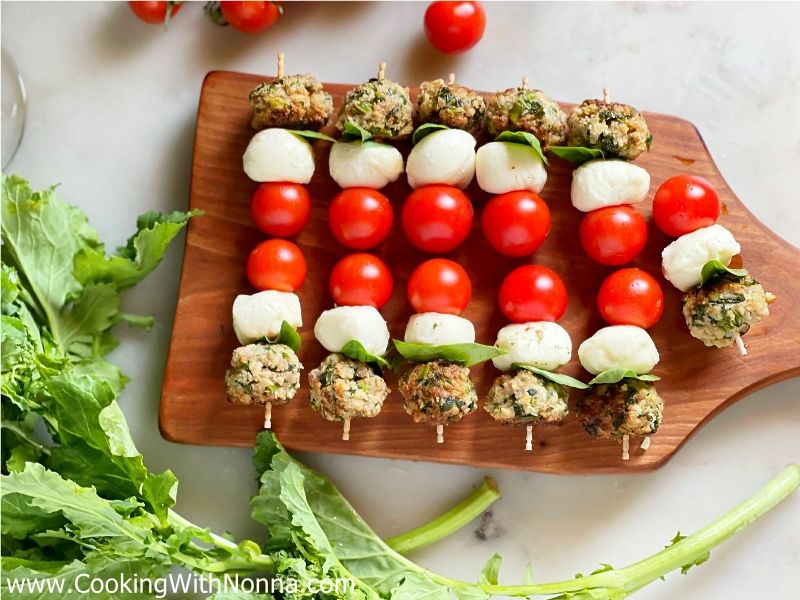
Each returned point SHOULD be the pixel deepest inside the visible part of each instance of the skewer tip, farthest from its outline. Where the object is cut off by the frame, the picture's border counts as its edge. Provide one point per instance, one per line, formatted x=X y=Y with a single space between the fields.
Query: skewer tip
x=381 y=70
x=440 y=434
x=645 y=443
x=451 y=78
x=529 y=438
x=280 y=65
x=740 y=344
x=606 y=95
x=268 y=416
x=626 y=445
x=346 y=430
x=524 y=83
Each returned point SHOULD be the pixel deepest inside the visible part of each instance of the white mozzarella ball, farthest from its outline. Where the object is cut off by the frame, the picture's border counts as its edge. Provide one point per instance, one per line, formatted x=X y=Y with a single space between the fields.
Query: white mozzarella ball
x=278 y=155
x=683 y=260
x=618 y=347
x=262 y=314
x=505 y=167
x=600 y=183
x=439 y=329
x=337 y=326
x=539 y=344
x=371 y=165
x=446 y=157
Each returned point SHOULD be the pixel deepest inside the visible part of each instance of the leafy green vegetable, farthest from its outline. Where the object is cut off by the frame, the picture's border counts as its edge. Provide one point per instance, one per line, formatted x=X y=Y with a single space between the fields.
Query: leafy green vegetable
x=559 y=378
x=310 y=134
x=425 y=130
x=526 y=139
x=715 y=268
x=463 y=354
x=577 y=155
x=287 y=336
x=351 y=132
x=353 y=349
x=616 y=375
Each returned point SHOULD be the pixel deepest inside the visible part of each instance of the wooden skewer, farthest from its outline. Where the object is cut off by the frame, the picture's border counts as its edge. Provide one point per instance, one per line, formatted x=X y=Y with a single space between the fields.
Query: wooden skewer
x=606 y=95
x=529 y=438
x=645 y=443
x=346 y=430
x=451 y=78
x=440 y=434
x=268 y=415
x=280 y=65
x=626 y=446
x=524 y=83
x=740 y=344
x=381 y=71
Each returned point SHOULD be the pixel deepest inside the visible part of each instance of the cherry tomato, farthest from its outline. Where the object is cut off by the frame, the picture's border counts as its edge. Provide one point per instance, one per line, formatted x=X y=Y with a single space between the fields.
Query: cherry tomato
x=613 y=235
x=250 y=17
x=533 y=293
x=360 y=218
x=361 y=279
x=516 y=223
x=437 y=218
x=631 y=297
x=276 y=265
x=454 y=27
x=154 y=12
x=280 y=209
x=685 y=203
x=439 y=285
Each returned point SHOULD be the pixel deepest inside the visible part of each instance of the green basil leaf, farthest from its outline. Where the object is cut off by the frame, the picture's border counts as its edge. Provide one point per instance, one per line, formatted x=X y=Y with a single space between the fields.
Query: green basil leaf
x=311 y=135
x=554 y=377
x=715 y=268
x=526 y=139
x=355 y=350
x=287 y=336
x=577 y=155
x=425 y=130
x=464 y=354
x=355 y=133
x=617 y=375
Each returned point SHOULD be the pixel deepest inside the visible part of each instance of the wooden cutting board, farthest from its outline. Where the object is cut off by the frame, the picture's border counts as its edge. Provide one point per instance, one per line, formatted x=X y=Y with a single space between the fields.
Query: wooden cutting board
x=697 y=382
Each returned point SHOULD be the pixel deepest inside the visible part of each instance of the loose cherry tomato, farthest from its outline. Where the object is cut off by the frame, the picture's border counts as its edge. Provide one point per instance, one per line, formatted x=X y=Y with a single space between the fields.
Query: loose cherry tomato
x=154 y=12
x=360 y=218
x=631 y=297
x=276 y=265
x=439 y=285
x=516 y=223
x=613 y=235
x=685 y=203
x=280 y=209
x=437 y=218
x=454 y=27
x=533 y=293
x=361 y=279
x=250 y=17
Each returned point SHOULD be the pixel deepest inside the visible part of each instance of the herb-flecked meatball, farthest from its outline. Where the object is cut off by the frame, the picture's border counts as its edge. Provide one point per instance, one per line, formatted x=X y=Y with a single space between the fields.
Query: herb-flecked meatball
x=724 y=306
x=342 y=388
x=628 y=407
x=262 y=374
x=438 y=392
x=521 y=109
x=526 y=398
x=380 y=106
x=292 y=102
x=451 y=105
x=619 y=130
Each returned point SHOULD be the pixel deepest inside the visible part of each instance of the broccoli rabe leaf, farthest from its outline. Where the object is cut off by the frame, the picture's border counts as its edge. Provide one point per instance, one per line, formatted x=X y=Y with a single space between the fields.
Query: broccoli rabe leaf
x=425 y=130
x=355 y=350
x=287 y=336
x=715 y=268
x=463 y=354
x=617 y=375
x=311 y=135
x=559 y=378
x=524 y=138
x=490 y=573
x=352 y=132
x=577 y=155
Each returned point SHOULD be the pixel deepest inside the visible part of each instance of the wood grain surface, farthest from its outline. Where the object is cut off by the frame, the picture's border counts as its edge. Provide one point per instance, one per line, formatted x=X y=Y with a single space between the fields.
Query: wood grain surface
x=697 y=382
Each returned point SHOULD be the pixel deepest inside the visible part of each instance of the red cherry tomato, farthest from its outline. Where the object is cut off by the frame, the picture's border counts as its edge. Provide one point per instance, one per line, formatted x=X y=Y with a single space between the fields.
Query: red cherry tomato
x=614 y=235
x=533 y=293
x=437 y=218
x=439 y=285
x=454 y=27
x=516 y=223
x=280 y=209
x=250 y=17
x=685 y=203
x=276 y=265
x=631 y=297
x=361 y=279
x=360 y=218
x=154 y=12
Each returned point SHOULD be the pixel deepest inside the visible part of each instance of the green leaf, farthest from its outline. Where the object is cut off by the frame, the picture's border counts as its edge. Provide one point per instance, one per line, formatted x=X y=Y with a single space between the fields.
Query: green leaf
x=425 y=130
x=355 y=350
x=525 y=139
x=287 y=336
x=417 y=586
x=311 y=135
x=617 y=375
x=559 y=378
x=577 y=155
x=715 y=268
x=351 y=132
x=463 y=354
x=491 y=571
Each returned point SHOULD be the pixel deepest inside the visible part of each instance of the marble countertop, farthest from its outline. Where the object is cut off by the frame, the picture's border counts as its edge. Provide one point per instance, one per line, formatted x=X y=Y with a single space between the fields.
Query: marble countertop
x=112 y=105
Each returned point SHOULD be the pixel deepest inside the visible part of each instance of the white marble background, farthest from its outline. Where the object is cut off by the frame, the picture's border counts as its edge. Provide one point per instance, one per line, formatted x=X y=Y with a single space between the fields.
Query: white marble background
x=111 y=116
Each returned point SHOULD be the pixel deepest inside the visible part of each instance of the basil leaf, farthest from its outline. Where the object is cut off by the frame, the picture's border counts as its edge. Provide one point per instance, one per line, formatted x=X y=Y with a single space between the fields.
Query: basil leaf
x=559 y=378
x=425 y=130
x=287 y=336
x=355 y=133
x=617 y=375
x=577 y=155
x=355 y=350
x=526 y=139
x=311 y=135
x=715 y=268
x=464 y=354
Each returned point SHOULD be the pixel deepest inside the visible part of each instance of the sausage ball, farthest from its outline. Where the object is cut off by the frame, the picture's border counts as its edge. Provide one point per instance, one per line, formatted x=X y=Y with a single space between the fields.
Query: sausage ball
x=724 y=306
x=293 y=102
x=438 y=392
x=617 y=129
x=263 y=374
x=521 y=109
x=451 y=105
x=628 y=407
x=380 y=106
x=342 y=388
x=526 y=398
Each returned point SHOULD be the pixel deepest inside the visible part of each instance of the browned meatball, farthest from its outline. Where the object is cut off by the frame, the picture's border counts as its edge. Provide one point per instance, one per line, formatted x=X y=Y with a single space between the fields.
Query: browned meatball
x=450 y=104
x=438 y=392
x=619 y=130
x=292 y=102
x=628 y=407
x=521 y=109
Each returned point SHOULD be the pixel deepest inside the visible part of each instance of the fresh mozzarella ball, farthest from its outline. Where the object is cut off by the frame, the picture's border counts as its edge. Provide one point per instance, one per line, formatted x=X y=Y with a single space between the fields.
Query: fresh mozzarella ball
x=337 y=326
x=683 y=260
x=370 y=165
x=618 y=347
x=505 y=167
x=438 y=329
x=278 y=155
x=262 y=314
x=445 y=157
x=600 y=183
x=539 y=344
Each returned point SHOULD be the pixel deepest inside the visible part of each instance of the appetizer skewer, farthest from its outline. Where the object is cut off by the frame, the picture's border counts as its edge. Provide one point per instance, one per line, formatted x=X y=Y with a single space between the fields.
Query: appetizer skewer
x=450 y=105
